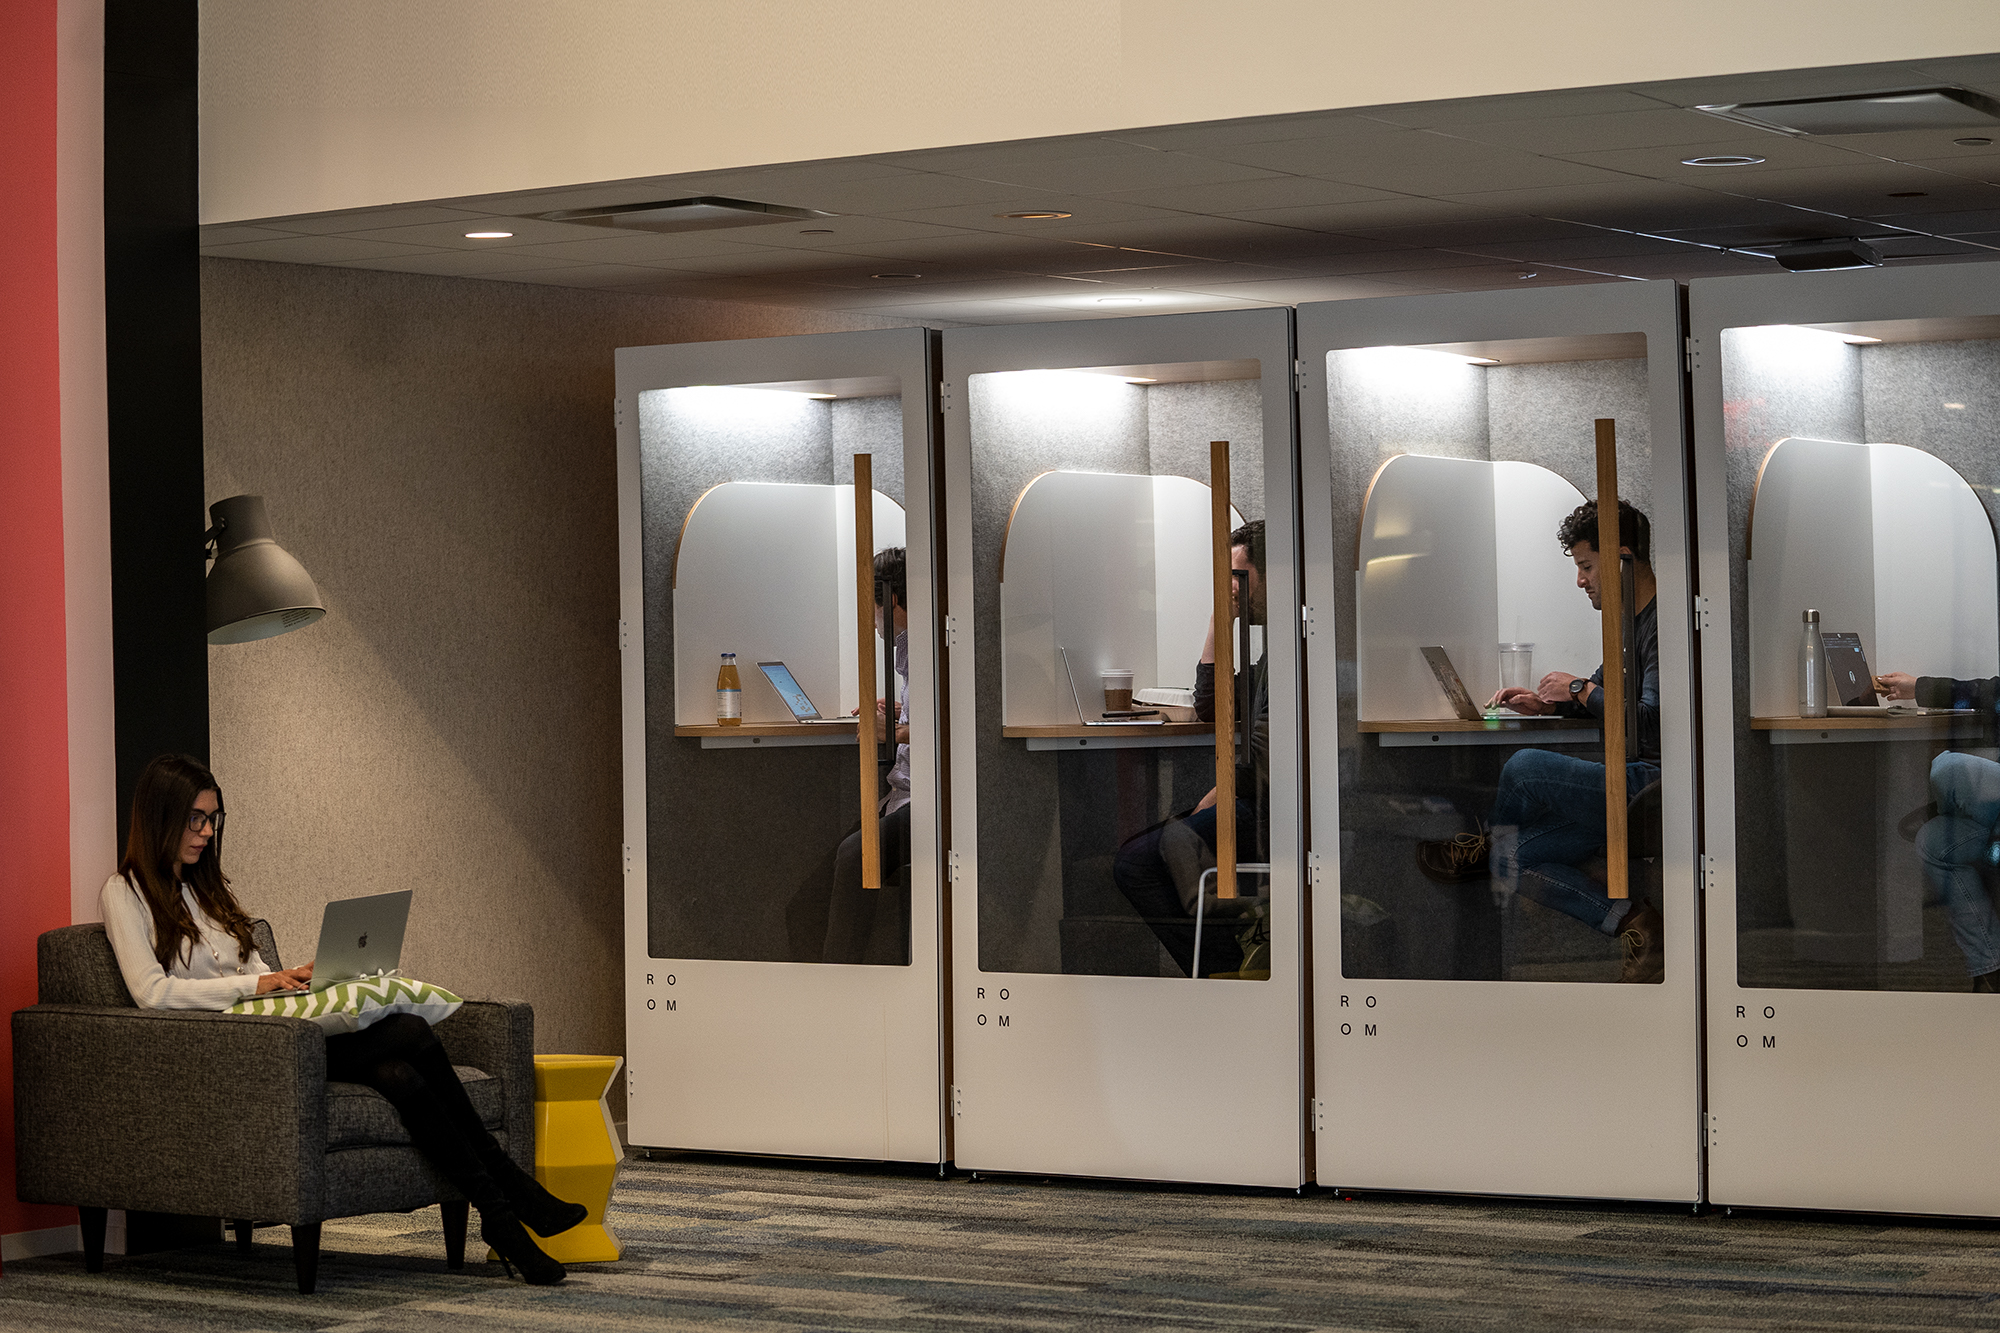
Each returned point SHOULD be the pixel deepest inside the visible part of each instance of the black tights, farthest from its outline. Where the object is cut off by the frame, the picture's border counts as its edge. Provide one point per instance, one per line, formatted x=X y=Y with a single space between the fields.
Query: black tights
x=403 y=1060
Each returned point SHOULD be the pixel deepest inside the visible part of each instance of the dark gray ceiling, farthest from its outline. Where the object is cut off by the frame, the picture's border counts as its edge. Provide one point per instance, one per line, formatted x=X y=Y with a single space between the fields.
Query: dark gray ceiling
x=1500 y=192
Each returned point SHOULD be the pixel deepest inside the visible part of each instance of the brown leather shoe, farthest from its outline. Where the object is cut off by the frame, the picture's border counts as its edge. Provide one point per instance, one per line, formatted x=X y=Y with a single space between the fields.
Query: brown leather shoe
x=1464 y=857
x=1639 y=937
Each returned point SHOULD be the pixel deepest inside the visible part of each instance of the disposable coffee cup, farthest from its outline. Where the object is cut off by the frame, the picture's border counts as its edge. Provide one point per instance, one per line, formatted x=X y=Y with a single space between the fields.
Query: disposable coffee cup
x=1118 y=690
x=1517 y=666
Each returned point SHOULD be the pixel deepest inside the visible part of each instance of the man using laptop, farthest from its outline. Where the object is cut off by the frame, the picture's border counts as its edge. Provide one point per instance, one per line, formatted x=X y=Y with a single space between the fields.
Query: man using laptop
x=1554 y=802
x=1159 y=871
x=1956 y=836
x=852 y=911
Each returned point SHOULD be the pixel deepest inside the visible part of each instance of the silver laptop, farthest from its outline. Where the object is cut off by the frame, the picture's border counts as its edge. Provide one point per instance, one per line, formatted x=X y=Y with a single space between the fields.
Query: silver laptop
x=1077 y=699
x=794 y=694
x=359 y=937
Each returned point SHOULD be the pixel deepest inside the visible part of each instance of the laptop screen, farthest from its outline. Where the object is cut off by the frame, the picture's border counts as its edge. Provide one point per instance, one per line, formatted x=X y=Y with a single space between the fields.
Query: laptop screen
x=1848 y=666
x=788 y=689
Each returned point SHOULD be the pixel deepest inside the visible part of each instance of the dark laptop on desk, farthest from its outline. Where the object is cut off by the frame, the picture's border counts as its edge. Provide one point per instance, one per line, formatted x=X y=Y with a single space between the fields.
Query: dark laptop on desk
x=1854 y=683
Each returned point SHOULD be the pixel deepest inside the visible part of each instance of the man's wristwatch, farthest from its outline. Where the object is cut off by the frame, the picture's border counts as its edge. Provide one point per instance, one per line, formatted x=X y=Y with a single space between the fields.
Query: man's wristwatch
x=1576 y=689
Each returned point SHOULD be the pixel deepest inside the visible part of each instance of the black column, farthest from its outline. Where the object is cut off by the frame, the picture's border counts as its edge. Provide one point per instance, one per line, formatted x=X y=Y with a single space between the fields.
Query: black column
x=152 y=308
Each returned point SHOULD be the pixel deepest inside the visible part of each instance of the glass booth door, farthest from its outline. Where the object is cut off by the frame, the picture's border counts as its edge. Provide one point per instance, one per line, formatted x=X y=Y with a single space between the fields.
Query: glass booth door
x=782 y=791
x=1845 y=434
x=1124 y=824
x=1501 y=769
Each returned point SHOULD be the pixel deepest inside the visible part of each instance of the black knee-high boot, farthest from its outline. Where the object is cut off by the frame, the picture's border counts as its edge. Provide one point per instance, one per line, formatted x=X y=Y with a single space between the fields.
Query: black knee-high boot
x=438 y=1135
x=544 y=1213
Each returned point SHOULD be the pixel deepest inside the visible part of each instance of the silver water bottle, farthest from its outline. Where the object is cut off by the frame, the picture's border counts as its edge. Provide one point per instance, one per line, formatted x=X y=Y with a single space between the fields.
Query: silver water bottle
x=1812 y=669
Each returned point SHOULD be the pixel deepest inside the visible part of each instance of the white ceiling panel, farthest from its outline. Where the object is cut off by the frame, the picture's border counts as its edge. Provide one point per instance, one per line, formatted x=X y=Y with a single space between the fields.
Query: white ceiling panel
x=312 y=250
x=1563 y=136
x=1264 y=192
x=1127 y=171
x=355 y=220
x=459 y=264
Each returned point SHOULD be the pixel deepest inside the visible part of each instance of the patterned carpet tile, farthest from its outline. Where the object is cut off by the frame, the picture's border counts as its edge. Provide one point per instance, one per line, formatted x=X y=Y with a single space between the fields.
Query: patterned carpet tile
x=763 y=1247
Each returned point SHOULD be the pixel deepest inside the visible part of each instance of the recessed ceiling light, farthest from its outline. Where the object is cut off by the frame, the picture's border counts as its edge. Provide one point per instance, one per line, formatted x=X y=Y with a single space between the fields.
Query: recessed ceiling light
x=1528 y=274
x=1121 y=300
x=487 y=235
x=1956 y=407
x=1724 y=160
x=1140 y=379
x=891 y=277
x=1039 y=216
x=1972 y=141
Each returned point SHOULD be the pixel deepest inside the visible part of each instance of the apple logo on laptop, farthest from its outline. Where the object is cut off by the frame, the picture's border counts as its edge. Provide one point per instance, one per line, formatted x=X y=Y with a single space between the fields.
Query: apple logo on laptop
x=361 y=943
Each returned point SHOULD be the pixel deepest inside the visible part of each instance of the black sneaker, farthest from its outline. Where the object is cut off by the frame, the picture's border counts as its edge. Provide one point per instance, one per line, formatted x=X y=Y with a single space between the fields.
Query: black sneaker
x=1987 y=983
x=1464 y=857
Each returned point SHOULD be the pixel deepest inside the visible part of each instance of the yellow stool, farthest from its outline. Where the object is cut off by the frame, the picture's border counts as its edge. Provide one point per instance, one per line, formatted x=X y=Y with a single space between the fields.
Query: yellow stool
x=576 y=1149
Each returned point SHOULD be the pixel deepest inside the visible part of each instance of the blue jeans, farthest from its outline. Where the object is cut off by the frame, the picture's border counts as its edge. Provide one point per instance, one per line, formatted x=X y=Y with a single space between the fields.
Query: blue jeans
x=1953 y=846
x=1554 y=803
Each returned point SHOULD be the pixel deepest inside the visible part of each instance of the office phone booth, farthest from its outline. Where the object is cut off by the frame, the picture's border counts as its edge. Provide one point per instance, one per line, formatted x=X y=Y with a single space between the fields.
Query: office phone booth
x=1846 y=461
x=1124 y=842
x=1505 y=992
x=781 y=854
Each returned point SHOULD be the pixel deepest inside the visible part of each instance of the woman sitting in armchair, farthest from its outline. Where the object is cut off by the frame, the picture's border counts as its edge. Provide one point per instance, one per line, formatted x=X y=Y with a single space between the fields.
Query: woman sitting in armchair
x=183 y=942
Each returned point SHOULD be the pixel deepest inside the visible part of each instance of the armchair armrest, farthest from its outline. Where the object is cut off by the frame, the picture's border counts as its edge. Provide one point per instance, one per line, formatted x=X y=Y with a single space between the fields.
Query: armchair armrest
x=498 y=1037
x=173 y=1111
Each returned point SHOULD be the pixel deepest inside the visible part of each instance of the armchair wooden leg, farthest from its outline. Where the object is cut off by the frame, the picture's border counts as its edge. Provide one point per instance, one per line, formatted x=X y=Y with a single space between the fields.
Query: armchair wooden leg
x=91 y=1221
x=242 y=1226
x=305 y=1256
x=455 y=1217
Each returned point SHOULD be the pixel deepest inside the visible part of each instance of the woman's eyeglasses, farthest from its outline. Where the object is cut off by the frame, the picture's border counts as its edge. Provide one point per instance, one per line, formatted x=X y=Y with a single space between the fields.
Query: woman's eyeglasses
x=200 y=821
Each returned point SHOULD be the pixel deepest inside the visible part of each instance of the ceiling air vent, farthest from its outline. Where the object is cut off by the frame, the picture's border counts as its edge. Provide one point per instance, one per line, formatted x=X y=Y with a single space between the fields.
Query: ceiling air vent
x=1828 y=252
x=1867 y=113
x=704 y=213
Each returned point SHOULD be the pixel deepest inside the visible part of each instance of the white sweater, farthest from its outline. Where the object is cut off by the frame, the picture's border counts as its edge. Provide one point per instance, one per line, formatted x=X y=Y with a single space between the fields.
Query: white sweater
x=207 y=975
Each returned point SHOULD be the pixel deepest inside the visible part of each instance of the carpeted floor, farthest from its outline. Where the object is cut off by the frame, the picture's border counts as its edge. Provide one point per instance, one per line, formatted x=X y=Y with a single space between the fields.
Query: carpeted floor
x=745 y=1245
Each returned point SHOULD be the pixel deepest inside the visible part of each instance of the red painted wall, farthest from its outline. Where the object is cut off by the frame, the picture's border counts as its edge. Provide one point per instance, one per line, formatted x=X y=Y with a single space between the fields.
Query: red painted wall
x=34 y=699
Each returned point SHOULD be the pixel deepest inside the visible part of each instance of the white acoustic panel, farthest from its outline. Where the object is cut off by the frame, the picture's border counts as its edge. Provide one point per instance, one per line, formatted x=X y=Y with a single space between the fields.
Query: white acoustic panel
x=766 y=571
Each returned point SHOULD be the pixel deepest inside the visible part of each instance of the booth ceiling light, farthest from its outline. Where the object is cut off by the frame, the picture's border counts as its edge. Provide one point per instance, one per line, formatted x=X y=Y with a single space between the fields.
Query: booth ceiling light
x=1047 y=216
x=1884 y=112
x=256 y=590
x=1852 y=339
x=1446 y=356
x=1723 y=160
x=699 y=213
x=1121 y=300
x=487 y=235
x=1828 y=252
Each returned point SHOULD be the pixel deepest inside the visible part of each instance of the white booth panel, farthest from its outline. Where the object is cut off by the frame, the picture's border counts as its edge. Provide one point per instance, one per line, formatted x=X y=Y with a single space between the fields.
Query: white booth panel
x=774 y=1005
x=1475 y=1021
x=1844 y=427
x=1077 y=483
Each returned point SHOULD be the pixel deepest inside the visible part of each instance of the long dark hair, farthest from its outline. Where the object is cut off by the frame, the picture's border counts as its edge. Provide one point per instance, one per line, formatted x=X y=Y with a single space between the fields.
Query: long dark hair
x=161 y=804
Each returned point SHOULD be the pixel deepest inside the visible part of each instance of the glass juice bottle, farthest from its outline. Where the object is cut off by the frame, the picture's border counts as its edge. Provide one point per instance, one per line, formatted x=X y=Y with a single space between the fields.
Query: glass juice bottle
x=728 y=694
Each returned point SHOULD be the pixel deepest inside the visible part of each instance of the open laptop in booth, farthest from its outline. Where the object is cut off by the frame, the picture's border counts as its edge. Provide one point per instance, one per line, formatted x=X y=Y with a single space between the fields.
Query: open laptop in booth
x=1854 y=683
x=788 y=688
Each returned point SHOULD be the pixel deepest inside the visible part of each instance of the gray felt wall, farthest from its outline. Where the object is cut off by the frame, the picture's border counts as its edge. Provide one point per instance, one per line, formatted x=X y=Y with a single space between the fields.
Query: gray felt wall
x=439 y=452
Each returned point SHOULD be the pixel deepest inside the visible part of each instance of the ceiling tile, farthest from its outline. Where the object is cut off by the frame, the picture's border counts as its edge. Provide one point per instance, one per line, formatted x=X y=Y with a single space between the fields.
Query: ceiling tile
x=1242 y=195
x=976 y=159
x=602 y=194
x=845 y=233
x=230 y=233
x=1869 y=188
x=313 y=250
x=1784 y=85
x=1483 y=231
x=1129 y=171
x=1518 y=106
x=646 y=248
x=1083 y=212
x=771 y=185
x=459 y=264
x=1947 y=224
x=748 y=259
x=1418 y=162
x=1780 y=152
x=355 y=221
x=1256 y=129
x=1397 y=211
x=1641 y=205
x=452 y=235
x=1563 y=136
x=896 y=194
x=1292 y=290
x=591 y=276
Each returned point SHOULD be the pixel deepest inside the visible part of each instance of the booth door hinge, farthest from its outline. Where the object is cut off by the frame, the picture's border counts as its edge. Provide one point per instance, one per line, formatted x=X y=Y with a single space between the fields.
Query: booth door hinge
x=953 y=868
x=1305 y=622
x=1704 y=619
x=1693 y=355
x=1316 y=1115
x=951 y=632
x=618 y=414
x=624 y=636
x=944 y=396
x=628 y=858
x=1705 y=872
x=1315 y=868
x=957 y=1102
x=1299 y=376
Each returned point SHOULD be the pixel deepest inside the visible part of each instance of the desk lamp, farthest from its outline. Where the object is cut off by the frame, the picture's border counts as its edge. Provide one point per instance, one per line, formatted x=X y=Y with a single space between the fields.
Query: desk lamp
x=256 y=589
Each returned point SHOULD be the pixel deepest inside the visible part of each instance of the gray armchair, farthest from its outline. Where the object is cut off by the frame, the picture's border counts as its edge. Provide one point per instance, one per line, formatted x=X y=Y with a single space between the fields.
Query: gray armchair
x=221 y=1115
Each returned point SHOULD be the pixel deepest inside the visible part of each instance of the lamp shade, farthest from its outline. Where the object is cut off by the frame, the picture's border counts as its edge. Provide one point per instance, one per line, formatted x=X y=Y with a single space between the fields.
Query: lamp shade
x=256 y=589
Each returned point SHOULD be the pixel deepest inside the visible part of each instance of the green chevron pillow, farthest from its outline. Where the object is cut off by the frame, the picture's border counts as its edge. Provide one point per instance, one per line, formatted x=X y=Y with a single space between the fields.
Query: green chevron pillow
x=349 y=1006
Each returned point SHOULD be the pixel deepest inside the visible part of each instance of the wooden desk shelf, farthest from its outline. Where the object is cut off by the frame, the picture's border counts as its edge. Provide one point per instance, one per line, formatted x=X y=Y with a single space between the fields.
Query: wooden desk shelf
x=1908 y=727
x=1073 y=735
x=771 y=734
x=1399 y=732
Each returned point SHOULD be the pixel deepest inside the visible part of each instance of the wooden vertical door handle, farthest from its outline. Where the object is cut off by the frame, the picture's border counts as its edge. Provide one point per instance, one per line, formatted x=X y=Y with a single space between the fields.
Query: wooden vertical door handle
x=1225 y=673
x=1611 y=602
x=864 y=651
